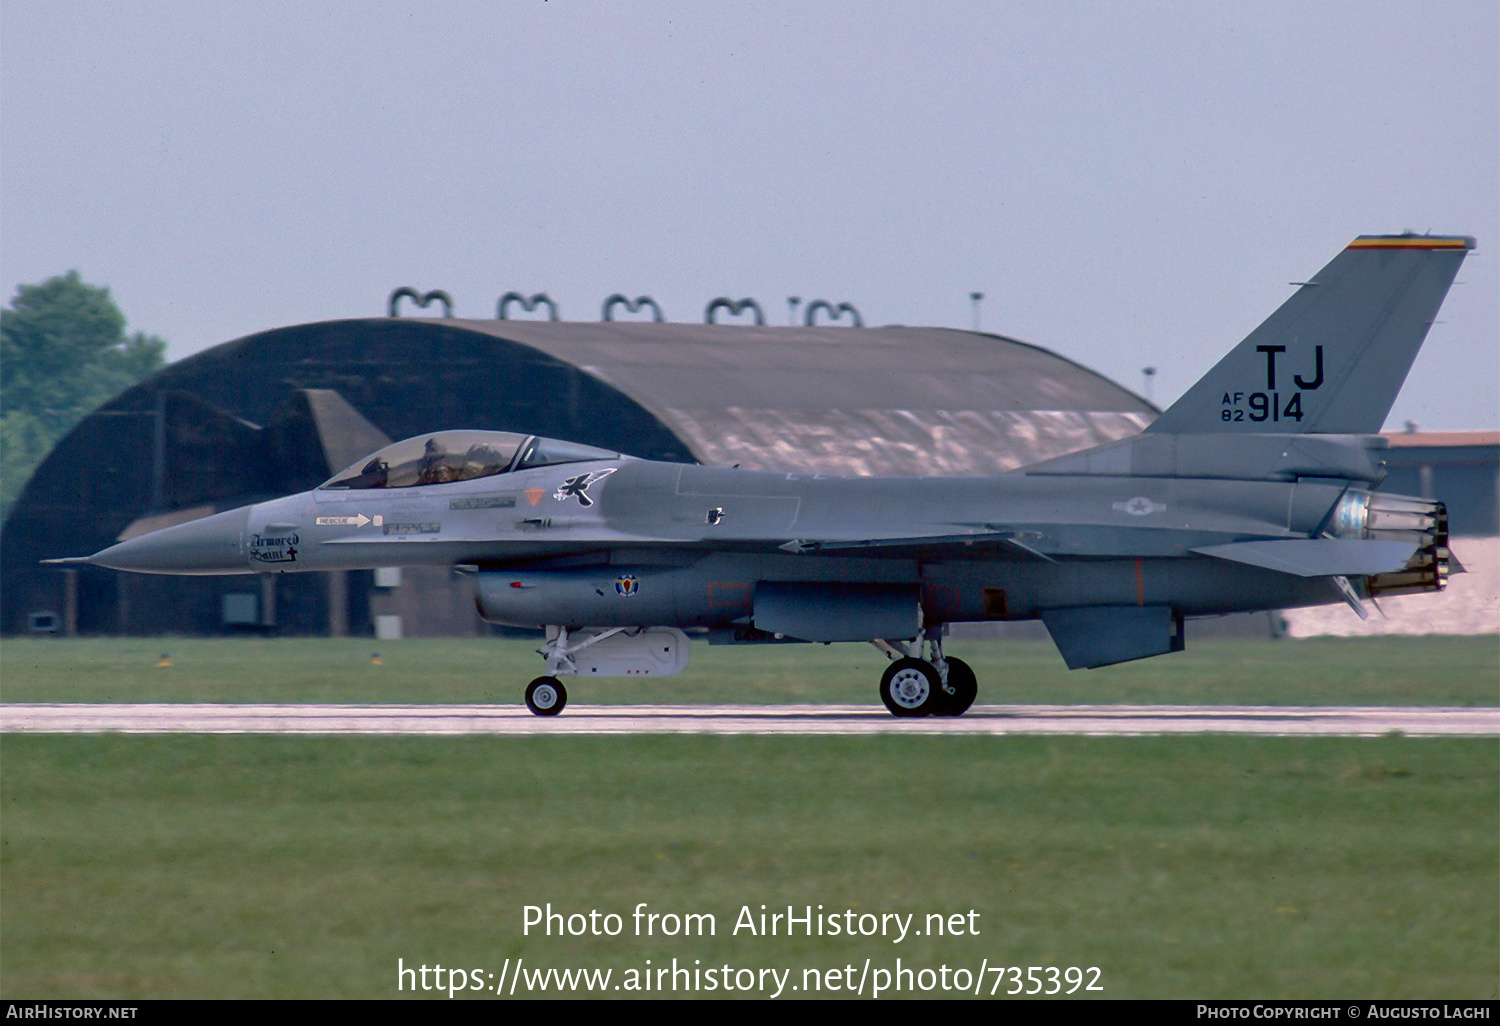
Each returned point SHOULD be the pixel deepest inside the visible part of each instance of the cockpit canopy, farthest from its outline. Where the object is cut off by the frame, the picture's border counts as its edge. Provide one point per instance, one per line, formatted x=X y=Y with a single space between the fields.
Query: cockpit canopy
x=443 y=457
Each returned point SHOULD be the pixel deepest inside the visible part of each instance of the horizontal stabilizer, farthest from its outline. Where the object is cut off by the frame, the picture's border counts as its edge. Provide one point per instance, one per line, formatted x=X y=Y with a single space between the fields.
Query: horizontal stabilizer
x=1317 y=557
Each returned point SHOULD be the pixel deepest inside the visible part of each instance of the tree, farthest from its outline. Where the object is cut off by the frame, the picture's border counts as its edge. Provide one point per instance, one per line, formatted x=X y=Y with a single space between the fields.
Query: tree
x=63 y=353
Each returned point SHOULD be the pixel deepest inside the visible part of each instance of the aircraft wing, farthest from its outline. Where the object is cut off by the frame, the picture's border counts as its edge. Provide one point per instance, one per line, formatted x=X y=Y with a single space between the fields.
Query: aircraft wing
x=1317 y=557
x=932 y=545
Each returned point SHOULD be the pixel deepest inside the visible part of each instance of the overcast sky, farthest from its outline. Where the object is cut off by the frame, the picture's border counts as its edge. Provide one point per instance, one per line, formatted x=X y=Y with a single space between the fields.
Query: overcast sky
x=1128 y=183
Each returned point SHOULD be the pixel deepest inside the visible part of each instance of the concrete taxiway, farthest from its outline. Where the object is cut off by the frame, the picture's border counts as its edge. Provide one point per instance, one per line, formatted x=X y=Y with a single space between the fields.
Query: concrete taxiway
x=182 y=718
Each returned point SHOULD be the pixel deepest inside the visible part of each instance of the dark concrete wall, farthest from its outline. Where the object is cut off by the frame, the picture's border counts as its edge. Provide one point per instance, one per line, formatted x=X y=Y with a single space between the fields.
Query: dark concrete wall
x=191 y=435
x=1465 y=477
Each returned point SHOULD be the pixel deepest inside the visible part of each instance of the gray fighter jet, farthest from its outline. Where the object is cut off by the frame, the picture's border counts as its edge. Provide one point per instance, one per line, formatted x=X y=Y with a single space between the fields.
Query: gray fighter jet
x=1252 y=492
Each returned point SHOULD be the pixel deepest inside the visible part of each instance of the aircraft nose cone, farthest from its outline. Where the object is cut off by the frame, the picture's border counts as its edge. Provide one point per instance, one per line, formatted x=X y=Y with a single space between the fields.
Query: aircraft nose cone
x=212 y=545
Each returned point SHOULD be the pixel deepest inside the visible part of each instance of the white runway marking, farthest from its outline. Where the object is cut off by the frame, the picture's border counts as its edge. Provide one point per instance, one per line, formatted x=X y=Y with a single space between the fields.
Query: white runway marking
x=182 y=718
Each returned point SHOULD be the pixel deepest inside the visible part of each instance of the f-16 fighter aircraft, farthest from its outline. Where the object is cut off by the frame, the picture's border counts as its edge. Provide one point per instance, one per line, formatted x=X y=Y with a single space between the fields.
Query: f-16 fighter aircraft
x=1252 y=492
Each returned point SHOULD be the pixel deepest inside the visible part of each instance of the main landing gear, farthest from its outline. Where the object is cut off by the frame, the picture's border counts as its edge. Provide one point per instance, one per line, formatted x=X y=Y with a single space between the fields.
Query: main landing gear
x=935 y=686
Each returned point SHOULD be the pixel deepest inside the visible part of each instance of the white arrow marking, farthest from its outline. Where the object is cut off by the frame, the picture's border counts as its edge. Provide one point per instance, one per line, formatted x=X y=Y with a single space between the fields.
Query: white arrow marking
x=356 y=521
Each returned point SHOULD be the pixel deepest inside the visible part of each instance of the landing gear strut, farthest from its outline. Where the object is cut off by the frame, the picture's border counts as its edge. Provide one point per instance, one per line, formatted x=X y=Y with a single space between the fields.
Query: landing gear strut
x=598 y=652
x=963 y=688
x=935 y=686
x=546 y=695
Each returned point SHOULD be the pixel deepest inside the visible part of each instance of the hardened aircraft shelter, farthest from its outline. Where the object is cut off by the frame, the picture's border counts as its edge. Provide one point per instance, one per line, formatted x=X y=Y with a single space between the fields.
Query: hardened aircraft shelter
x=282 y=410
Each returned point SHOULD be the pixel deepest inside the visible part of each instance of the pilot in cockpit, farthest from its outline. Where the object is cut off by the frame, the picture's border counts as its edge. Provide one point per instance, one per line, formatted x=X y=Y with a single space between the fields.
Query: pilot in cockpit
x=482 y=460
x=434 y=467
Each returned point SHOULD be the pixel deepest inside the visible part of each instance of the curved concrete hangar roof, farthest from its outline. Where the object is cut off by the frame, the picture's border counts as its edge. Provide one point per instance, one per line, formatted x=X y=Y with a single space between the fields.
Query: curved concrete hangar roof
x=889 y=400
x=282 y=410
x=836 y=400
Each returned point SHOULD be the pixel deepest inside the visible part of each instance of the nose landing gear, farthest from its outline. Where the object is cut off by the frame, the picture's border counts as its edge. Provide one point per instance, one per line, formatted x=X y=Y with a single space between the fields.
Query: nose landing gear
x=603 y=652
x=546 y=696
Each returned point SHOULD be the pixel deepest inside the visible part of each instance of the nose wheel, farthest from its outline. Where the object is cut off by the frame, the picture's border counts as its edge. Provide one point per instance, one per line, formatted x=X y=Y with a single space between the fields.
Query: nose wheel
x=546 y=696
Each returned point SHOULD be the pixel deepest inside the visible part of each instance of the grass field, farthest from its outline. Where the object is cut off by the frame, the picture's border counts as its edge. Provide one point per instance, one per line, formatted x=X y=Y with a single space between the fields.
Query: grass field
x=1182 y=867
x=1317 y=671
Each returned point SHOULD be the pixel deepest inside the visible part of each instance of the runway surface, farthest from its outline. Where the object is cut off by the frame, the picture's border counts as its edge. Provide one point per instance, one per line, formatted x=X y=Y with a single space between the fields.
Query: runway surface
x=742 y=719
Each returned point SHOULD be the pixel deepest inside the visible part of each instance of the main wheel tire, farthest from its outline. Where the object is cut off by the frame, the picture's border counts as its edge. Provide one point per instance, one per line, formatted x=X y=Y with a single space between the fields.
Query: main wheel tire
x=546 y=696
x=965 y=689
x=910 y=687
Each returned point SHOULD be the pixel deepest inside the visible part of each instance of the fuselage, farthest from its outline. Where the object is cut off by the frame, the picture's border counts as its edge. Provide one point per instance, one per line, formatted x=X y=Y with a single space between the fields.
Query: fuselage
x=631 y=541
x=1252 y=491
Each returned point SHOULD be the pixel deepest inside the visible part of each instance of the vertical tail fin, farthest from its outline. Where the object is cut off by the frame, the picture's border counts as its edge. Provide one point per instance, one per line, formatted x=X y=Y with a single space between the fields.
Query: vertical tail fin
x=1332 y=358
